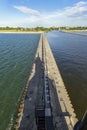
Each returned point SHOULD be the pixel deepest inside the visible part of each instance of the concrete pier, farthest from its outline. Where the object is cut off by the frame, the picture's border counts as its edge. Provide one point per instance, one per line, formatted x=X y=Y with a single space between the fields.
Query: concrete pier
x=63 y=111
x=46 y=90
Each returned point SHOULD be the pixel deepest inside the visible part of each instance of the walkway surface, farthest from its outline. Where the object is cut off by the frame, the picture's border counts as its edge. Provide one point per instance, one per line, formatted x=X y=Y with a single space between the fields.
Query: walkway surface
x=63 y=114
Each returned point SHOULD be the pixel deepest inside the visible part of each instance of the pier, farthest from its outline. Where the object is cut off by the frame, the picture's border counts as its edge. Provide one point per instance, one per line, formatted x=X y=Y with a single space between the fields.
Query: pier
x=45 y=104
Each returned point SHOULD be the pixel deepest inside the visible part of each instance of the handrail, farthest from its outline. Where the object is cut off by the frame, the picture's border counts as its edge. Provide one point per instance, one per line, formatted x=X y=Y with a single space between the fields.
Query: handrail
x=80 y=125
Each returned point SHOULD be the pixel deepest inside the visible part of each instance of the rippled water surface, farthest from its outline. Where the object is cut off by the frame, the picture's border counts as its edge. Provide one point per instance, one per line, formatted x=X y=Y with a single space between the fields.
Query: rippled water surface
x=16 y=56
x=70 y=52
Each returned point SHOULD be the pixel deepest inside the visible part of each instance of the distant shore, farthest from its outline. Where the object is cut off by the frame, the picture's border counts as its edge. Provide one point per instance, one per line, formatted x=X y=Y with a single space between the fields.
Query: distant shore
x=21 y=32
x=76 y=32
x=24 y=30
x=73 y=30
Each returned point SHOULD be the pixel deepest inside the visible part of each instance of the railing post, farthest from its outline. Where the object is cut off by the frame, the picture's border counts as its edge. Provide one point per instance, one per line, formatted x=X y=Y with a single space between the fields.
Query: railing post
x=81 y=124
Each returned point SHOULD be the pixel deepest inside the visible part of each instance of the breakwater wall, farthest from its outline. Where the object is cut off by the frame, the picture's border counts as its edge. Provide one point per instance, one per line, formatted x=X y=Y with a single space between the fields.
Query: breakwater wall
x=74 y=33
x=61 y=103
x=45 y=89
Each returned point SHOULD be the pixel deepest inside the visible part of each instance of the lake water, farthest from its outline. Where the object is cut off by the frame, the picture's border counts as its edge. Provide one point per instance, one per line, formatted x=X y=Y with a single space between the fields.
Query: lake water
x=16 y=56
x=70 y=52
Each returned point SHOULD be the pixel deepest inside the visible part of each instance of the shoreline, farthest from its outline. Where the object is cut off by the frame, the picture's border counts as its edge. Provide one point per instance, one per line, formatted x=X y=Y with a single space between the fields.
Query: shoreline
x=13 y=32
x=75 y=32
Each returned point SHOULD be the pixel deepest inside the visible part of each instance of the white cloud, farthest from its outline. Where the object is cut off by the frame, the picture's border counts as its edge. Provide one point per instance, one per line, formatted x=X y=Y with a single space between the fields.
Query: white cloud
x=81 y=3
x=77 y=10
x=27 y=10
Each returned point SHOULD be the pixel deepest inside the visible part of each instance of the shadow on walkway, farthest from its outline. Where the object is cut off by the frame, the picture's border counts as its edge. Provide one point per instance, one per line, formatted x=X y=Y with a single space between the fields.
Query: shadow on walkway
x=34 y=97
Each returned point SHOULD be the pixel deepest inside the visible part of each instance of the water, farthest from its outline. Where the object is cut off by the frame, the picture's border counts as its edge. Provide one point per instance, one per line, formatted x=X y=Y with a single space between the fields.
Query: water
x=70 y=52
x=16 y=56
x=81 y=32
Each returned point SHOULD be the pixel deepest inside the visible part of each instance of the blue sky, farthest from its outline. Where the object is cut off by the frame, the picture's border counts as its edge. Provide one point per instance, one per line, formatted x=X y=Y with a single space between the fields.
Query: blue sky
x=32 y=13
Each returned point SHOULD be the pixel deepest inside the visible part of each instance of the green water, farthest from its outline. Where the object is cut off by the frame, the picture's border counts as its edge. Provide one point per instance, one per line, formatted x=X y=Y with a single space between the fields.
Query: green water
x=16 y=56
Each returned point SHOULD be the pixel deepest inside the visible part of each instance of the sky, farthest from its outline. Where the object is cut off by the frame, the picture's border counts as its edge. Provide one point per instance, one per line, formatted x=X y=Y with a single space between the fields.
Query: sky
x=47 y=13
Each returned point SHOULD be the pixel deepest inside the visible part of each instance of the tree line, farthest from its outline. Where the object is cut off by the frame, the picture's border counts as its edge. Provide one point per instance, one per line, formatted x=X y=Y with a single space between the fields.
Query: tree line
x=41 y=28
x=25 y=29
